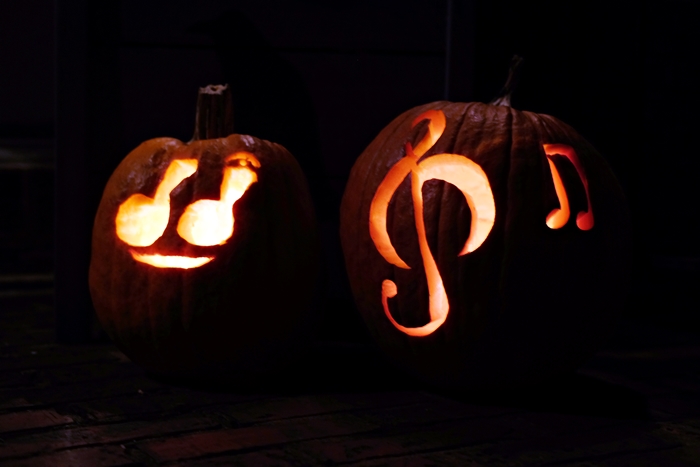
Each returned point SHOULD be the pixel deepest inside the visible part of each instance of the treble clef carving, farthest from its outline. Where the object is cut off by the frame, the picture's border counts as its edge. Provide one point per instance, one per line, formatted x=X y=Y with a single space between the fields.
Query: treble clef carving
x=456 y=169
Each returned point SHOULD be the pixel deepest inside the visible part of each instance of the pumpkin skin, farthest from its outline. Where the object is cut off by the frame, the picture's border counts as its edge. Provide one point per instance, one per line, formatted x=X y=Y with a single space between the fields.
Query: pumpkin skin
x=530 y=302
x=245 y=310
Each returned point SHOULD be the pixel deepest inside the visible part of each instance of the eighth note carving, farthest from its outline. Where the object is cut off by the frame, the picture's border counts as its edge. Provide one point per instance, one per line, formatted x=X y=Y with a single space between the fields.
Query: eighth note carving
x=560 y=216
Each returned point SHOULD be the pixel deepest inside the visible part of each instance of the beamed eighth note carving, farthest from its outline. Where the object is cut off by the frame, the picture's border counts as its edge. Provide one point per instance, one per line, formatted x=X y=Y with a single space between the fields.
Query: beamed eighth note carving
x=141 y=220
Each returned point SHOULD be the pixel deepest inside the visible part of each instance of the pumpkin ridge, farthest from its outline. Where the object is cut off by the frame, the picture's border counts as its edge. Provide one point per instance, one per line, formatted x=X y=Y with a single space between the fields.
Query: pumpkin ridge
x=373 y=160
x=444 y=193
x=458 y=301
x=509 y=175
x=459 y=125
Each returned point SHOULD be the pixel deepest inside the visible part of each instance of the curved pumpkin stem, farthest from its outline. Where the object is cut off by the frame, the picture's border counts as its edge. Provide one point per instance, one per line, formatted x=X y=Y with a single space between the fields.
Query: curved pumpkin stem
x=504 y=97
x=214 y=114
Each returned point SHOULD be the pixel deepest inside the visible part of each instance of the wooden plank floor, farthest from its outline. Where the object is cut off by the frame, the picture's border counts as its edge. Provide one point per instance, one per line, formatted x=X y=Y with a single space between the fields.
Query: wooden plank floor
x=635 y=404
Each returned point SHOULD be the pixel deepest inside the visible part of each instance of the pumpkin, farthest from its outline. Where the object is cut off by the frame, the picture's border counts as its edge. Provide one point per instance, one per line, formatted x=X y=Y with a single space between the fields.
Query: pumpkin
x=205 y=254
x=461 y=247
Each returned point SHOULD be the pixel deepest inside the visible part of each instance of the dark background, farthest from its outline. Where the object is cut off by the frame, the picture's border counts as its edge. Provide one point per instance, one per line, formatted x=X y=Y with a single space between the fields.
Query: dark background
x=83 y=83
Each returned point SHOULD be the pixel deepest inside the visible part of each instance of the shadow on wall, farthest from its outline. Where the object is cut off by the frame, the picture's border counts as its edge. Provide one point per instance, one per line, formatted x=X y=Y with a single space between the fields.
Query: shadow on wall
x=270 y=99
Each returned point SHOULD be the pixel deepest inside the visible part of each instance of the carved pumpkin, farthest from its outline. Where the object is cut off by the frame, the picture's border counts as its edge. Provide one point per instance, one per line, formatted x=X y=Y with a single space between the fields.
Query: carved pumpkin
x=461 y=252
x=204 y=254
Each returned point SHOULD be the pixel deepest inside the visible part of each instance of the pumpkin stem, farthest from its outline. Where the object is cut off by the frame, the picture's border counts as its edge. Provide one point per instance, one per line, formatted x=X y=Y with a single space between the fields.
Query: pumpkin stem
x=513 y=77
x=214 y=115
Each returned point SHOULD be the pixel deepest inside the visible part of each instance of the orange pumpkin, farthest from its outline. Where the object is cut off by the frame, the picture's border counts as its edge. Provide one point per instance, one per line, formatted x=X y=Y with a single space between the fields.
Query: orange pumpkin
x=485 y=246
x=205 y=254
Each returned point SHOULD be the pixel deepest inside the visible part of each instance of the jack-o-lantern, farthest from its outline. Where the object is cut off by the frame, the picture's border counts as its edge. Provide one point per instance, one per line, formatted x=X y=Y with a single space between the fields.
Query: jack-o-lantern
x=205 y=254
x=461 y=250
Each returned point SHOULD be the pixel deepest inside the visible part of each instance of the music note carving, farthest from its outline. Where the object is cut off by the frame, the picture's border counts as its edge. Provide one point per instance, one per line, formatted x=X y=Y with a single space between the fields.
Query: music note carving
x=456 y=169
x=209 y=222
x=560 y=216
x=141 y=220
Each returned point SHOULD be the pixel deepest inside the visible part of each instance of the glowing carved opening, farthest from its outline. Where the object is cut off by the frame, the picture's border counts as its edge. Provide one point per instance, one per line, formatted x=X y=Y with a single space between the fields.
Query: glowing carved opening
x=436 y=126
x=560 y=216
x=210 y=222
x=463 y=173
x=181 y=262
x=142 y=220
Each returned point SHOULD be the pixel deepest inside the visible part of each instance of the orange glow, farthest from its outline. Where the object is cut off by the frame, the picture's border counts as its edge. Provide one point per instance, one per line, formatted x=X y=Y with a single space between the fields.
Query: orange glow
x=468 y=177
x=142 y=220
x=436 y=126
x=471 y=180
x=378 y=208
x=560 y=216
x=180 y=262
x=210 y=222
x=389 y=290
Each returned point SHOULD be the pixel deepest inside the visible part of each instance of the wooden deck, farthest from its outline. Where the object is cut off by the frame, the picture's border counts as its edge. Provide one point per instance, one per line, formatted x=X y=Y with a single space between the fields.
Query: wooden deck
x=635 y=404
